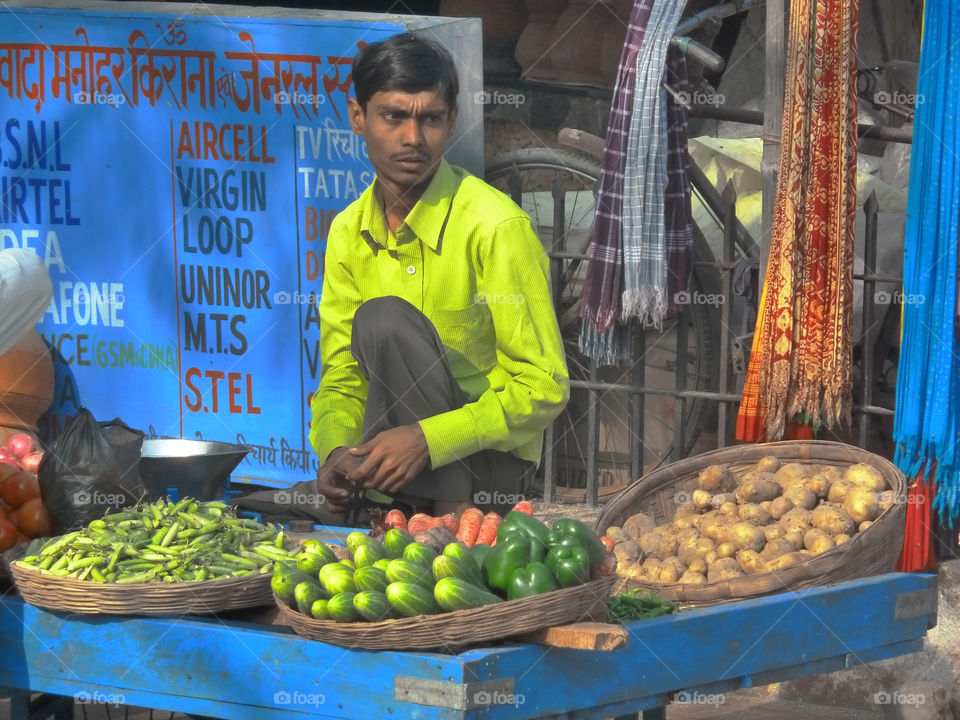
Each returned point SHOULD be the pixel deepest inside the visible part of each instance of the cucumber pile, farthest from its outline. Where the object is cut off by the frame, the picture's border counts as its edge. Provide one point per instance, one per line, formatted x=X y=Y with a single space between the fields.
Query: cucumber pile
x=395 y=578
x=163 y=541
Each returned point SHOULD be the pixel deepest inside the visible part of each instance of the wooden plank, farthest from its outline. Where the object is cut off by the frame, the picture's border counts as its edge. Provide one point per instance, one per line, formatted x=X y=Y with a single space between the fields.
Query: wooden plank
x=581 y=636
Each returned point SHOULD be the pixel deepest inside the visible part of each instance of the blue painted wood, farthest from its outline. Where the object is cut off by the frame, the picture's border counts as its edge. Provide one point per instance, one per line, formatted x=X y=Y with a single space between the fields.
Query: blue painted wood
x=227 y=668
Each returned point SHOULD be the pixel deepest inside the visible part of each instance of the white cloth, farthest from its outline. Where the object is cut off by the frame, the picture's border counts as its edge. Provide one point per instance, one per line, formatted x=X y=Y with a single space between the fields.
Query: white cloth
x=25 y=293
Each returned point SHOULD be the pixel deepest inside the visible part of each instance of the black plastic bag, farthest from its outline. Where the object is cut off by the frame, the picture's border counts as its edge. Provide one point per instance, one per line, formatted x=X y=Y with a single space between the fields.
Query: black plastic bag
x=90 y=469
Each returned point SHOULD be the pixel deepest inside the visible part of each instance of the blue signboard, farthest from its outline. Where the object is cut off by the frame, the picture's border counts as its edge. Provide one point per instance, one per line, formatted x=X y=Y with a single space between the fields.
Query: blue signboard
x=178 y=176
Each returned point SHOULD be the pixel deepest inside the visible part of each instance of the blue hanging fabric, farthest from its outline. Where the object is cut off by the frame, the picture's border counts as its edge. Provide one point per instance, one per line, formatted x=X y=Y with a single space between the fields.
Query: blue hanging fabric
x=925 y=423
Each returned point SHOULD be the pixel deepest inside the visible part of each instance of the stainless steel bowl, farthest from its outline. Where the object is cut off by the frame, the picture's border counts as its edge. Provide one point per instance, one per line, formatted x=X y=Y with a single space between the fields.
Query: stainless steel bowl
x=195 y=468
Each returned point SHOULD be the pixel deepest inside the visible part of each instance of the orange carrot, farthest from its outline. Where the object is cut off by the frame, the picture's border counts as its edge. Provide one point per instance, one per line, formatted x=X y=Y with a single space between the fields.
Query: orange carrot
x=524 y=507
x=395 y=519
x=488 y=529
x=470 y=522
x=450 y=522
x=418 y=523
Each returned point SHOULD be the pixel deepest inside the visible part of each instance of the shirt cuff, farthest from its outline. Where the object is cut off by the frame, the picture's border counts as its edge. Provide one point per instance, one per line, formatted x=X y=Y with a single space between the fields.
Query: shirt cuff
x=451 y=436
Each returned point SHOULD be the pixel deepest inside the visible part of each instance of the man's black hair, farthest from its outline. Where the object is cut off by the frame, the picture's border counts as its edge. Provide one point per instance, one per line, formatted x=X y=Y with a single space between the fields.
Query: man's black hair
x=405 y=63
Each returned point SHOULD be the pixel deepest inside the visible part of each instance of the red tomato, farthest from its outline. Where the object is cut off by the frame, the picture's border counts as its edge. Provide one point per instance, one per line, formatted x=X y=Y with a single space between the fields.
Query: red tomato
x=33 y=519
x=8 y=536
x=12 y=516
x=19 y=487
x=8 y=468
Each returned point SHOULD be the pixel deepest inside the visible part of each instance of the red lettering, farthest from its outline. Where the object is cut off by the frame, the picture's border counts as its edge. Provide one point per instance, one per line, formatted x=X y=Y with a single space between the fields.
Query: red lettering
x=237 y=144
x=184 y=144
x=310 y=223
x=233 y=391
x=210 y=141
x=215 y=376
x=313 y=265
x=223 y=148
x=266 y=158
x=251 y=408
x=197 y=402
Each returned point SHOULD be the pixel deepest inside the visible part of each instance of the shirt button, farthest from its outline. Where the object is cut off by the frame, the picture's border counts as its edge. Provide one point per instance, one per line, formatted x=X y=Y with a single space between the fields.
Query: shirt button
x=411 y=270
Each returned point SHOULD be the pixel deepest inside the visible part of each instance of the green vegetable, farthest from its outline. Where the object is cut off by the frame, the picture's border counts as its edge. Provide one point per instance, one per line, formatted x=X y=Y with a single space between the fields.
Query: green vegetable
x=337 y=578
x=570 y=565
x=368 y=553
x=408 y=572
x=310 y=562
x=307 y=593
x=382 y=563
x=479 y=552
x=568 y=530
x=455 y=594
x=631 y=605
x=410 y=599
x=533 y=579
x=312 y=545
x=340 y=607
x=357 y=538
x=466 y=558
x=514 y=552
x=370 y=578
x=444 y=566
x=515 y=519
x=372 y=605
x=419 y=553
x=285 y=580
x=319 y=610
x=395 y=540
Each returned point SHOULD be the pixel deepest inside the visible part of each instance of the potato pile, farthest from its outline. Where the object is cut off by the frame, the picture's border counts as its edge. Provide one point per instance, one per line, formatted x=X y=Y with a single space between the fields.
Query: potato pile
x=771 y=517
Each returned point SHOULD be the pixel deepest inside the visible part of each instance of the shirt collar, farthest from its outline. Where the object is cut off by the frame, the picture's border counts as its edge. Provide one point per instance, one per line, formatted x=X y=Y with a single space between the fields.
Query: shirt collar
x=426 y=220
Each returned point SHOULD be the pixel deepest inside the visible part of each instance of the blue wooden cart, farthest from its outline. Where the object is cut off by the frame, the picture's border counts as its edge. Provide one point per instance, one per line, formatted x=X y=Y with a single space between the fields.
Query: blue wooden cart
x=231 y=668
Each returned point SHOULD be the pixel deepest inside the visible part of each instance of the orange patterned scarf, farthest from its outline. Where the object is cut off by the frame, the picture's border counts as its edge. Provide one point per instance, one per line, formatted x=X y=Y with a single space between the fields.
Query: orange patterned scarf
x=801 y=358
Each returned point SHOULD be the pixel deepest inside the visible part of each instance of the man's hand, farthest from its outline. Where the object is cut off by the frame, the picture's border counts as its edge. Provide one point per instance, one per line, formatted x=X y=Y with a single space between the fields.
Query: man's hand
x=332 y=480
x=391 y=459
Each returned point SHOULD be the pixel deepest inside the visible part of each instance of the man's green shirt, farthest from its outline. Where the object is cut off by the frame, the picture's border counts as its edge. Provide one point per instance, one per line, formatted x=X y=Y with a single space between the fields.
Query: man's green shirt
x=468 y=258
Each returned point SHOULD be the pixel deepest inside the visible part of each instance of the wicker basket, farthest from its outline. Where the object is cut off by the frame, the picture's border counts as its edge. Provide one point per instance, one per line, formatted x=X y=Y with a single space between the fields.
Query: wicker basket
x=460 y=628
x=91 y=598
x=871 y=552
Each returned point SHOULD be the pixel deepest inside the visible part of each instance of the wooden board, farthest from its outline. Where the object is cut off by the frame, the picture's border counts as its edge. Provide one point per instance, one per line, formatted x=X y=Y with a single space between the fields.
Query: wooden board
x=581 y=636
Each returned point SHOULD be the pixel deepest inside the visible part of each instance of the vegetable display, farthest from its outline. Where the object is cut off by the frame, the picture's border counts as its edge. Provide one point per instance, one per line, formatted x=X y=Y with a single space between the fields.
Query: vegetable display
x=632 y=605
x=768 y=517
x=163 y=541
x=402 y=574
x=22 y=512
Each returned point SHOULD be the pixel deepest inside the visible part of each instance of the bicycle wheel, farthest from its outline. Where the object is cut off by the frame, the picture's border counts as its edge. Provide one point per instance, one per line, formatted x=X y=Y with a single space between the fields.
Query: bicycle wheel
x=538 y=179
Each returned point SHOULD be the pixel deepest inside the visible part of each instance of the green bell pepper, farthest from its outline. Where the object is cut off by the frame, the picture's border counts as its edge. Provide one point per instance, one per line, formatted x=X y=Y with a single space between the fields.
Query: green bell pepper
x=570 y=564
x=533 y=579
x=566 y=531
x=516 y=551
x=527 y=523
